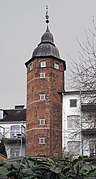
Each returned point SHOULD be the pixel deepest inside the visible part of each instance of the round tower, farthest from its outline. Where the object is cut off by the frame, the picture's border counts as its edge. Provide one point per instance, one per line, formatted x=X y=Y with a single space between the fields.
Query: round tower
x=45 y=83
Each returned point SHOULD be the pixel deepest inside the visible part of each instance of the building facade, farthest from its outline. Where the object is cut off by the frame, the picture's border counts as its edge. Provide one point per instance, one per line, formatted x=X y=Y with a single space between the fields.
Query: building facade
x=45 y=83
x=12 y=130
x=79 y=123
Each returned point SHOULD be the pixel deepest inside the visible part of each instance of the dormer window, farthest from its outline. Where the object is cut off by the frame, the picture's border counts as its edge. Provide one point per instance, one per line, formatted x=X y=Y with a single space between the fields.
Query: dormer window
x=31 y=66
x=43 y=64
x=56 y=65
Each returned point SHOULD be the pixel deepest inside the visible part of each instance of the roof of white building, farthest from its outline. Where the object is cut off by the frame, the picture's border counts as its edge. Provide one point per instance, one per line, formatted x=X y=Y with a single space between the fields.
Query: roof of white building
x=17 y=114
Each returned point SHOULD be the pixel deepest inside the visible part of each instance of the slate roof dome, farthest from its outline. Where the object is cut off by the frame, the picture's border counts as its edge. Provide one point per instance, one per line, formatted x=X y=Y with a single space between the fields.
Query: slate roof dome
x=47 y=37
x=46 y=47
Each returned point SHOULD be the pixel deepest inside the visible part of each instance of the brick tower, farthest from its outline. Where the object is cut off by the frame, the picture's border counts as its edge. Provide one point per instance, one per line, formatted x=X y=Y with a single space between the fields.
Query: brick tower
x=45 y=83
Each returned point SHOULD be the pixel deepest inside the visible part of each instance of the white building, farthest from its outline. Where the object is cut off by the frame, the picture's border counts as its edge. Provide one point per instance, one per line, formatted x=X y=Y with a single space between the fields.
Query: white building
x=79 y=123
x=12 y=130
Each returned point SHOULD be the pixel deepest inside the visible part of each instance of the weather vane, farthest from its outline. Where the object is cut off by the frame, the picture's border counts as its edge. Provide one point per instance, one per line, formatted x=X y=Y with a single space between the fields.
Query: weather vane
x=47 y=16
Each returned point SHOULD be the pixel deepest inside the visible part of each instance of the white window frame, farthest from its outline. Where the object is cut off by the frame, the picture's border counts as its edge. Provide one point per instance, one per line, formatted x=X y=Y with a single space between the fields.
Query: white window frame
x=41 y=122
x=56 y=65
x=42 y=75
x=42 y=97
x=31 y=66
x=43 y=63
x=42 y=140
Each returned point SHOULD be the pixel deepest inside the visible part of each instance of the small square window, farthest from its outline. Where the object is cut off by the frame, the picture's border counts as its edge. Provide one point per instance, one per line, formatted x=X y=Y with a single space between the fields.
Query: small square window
x=42 y=140
x=42 y=96
x=73 y=102
x=31 y=66
x=42 y=75
x=42 y=121
x=43 y=64
x=56 y=65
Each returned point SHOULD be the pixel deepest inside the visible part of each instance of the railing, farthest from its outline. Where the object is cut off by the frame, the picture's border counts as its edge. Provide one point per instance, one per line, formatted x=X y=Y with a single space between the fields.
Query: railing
x=14 y=131
x=16 y=135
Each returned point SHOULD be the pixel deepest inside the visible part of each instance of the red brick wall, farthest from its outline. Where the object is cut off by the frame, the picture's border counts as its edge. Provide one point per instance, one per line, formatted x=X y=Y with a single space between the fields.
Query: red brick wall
x=50 y=109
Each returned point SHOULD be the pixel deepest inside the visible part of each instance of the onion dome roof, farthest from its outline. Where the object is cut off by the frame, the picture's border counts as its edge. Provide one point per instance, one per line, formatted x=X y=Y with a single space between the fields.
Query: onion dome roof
x=46 y=47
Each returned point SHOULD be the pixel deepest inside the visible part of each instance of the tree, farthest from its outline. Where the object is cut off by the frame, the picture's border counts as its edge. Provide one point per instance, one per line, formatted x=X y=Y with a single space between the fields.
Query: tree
x=83 y=78
x=83 y=71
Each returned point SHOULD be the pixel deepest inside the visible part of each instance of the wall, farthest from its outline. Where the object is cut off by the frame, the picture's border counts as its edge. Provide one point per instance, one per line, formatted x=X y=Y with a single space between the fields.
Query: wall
x=70 y=134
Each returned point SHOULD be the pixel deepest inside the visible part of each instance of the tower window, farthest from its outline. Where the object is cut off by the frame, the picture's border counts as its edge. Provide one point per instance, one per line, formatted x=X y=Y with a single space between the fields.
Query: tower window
x=42 y=75
x=31 y=66
x=56 y=65
x=42 y=140
x=41 y=121
x=42 y=96
x=43 y=64
x=73 y=102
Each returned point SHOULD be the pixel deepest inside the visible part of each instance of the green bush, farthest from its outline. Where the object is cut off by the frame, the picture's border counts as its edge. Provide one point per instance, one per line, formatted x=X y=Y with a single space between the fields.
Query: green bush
x=46 y=168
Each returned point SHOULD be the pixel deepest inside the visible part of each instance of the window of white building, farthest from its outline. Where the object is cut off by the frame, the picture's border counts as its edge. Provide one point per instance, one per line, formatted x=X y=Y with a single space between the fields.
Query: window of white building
x=73 y=102
x=56 y=65
x=42 y=97
x=73 y=147
x=42 y=140
x=42 y=75
x=73 y=121
x=43 y=64
x=89 y=120
x=15 y=131
x=15 y=152
x=41 y=121
x=92 y=148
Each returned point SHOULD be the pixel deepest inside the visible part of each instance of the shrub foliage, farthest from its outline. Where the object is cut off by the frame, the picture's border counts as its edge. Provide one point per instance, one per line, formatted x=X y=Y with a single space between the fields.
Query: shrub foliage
x=46 y=168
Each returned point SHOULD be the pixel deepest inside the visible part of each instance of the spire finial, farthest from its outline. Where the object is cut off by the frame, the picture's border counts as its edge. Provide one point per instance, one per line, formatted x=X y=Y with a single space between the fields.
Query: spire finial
x=47 y=16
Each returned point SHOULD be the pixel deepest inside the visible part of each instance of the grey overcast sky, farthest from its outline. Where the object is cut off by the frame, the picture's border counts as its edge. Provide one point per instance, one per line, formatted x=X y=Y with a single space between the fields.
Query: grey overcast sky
x=22 y=23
